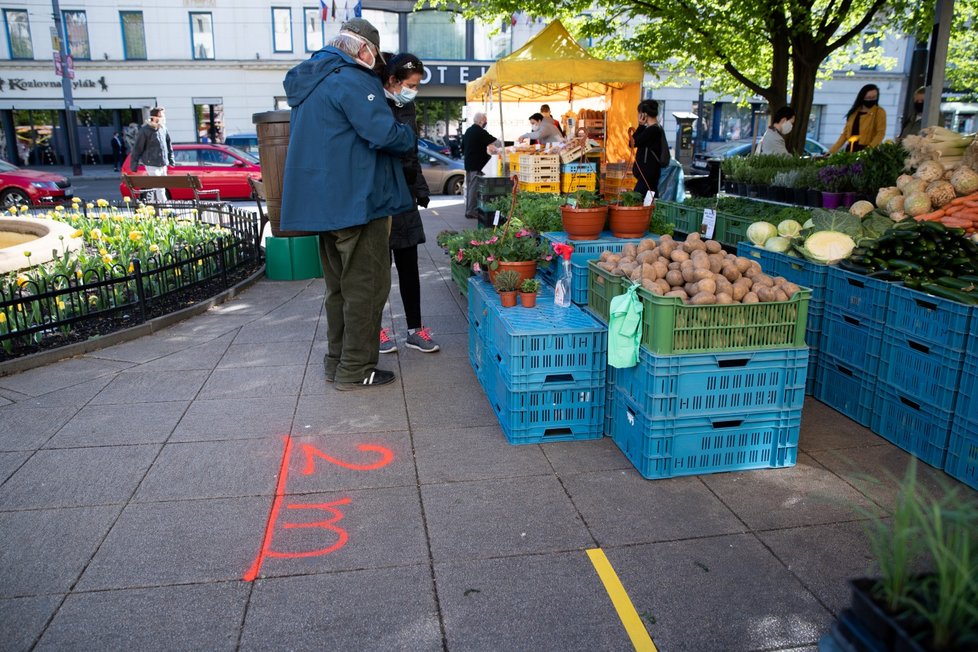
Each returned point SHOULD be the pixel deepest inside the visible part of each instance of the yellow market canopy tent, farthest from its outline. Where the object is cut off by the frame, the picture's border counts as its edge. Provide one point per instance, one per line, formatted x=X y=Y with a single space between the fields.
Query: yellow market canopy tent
x=553 y=67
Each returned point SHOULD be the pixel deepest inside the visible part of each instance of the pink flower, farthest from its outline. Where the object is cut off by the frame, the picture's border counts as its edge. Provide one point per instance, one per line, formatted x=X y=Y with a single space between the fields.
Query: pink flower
x=548 y=257
x=493 y=240
x=475 y=243
x=489 y=259
x=476 y=268
x=523 y=233
x=459 y=255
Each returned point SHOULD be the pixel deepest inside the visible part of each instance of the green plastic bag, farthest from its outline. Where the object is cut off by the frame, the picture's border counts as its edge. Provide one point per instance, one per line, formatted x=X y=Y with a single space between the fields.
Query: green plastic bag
x=624 y=329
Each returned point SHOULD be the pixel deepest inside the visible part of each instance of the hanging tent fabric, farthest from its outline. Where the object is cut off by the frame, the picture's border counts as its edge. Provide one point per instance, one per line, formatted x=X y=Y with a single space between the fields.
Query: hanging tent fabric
x=553 y=67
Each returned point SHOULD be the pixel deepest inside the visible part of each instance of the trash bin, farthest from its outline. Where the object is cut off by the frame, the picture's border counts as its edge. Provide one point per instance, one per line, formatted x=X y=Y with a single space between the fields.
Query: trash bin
x=273 y=145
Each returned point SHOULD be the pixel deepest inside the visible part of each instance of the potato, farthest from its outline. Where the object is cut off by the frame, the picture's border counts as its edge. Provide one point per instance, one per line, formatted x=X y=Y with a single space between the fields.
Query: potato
x=679 y=255
x=661 y=269
x=663 y=286
x=604 y=255
x=689 y=274
x=647 y=244
x=614 y=258
x=648 y=271
x=674 y=278
x=730 y=272
x=636 y=274
x=724 y=299
x=723 y=285
x=626 y=259
x=664 y=260
x=739 y=292
x=628 y=267
x=678 y=293
x=700 y=274
x=618 y=271
x=764 y=293
x=743 y=265
x=629 y=250
x=690 y=288
x=673 y=265
x=750 y=297
x=666 y=247
x=779 y=295
x=716 y=263
x=706 y=285
x=695 y=245
x=665 y=238
x=743 y=280
x=645 y=257
x=790 y=288
x=713 y=247
x=755 y=266
x=607 y=266
x=702 y=261
x=703 y=299
x=763 y=279
x=650 y=286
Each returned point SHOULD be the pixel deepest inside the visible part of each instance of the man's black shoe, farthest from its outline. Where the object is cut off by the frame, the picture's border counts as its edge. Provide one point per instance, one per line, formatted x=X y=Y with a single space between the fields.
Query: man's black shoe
x=373 y=379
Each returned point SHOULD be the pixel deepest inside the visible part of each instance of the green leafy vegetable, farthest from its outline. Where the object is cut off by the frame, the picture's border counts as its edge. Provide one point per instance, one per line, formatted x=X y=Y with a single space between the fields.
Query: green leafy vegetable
x=839 y=221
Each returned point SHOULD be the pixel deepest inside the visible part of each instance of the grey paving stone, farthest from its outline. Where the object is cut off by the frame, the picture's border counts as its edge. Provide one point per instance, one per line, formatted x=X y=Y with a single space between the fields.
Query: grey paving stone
x=10 y=462
x=266 y=354
x=805 y=494
x=240 y=382
x=568 y=457
x=74 y=477
x=236 y=418
x=208 y=326
x=822 y=428
x=192 y=356
x=379 y=409
x=452 y=321
x=280 y=327
x=73 y=396
x=28 y=427
x=5 y=401
x=383 y=528
x=195 y=617
x=724 y=593
x=384 y=609
x=501 y=517
x=620 y=507
x=459 y=454
x=314 y=383
x=140 y=350
x=107 y=425
x=73 y=371
x=23 y=619
x=463 y=405
x=531 y=602
x=179 y=542
x=213 y=469
x=310 y=472
x=151 y=387
x=45 y=550
x=824 y=558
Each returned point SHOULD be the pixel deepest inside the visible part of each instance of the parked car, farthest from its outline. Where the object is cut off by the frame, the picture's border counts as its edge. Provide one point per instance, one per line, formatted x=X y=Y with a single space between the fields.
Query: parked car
x=246 y=142
x=19 y=187
x=219 y=167
x=743 y=148
x=444 y=175
x=435 y=147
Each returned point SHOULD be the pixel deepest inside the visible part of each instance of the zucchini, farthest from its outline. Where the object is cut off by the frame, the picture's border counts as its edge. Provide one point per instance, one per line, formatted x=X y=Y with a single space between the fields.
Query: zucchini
x=884 y=275
x=955 y=283
x=899 y=264
x=951 y=295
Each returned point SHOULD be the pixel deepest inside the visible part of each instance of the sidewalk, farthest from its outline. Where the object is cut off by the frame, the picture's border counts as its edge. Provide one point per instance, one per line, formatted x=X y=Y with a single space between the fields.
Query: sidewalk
x=89 y=172
x=140 y=484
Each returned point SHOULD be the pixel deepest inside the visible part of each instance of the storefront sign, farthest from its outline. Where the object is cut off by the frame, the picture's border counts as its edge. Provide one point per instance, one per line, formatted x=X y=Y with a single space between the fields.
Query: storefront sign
x=452 y=75
x=22 y=84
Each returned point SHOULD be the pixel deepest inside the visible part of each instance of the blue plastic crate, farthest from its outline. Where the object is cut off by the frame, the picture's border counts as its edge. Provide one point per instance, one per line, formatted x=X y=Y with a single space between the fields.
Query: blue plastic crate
x=854 y=341
x=477 y=351
x=967 y=403
x=609 y=401
x=814 y=328
x=480 y=295
x=606 y=242
x=811 y=378
x=579 y=168
x=858 y=295
x=915 y=426
x=543 y=415
x=925 y=372
x=846 y=389
x=929 y=318
x=666 y=448
x=797 y=270
x=716 y=383
x=962 y=452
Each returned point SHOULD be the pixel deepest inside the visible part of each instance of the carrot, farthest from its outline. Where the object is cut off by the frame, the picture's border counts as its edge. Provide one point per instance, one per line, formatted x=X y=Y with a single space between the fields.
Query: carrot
x=931 y=217
x=960 y=200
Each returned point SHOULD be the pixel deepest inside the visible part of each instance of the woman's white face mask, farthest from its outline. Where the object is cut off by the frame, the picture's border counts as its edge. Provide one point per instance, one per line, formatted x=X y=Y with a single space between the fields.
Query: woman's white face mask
x=786 y=127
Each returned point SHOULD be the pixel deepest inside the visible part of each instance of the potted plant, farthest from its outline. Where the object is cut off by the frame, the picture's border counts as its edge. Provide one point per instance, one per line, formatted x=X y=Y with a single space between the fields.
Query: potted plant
x=528 y=292
x=833 y=180
x=628 y=217
x=512 y=248
x=506 y=283
x=584 y=215
x=808 y=179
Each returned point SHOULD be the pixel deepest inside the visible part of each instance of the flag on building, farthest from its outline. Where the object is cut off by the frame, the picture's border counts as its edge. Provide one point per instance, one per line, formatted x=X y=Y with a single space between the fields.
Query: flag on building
x=323 y=10
x=358 y=9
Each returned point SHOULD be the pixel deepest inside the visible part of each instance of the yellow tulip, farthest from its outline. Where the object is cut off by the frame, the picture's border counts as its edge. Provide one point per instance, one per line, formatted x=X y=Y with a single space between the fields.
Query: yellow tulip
x=13 y=210
x=61 y=304
x=77 y=234
x=103 y=251
x=23 y=209
x=101 y=203
x=154 y=249
x=107 y=259
x=131 y=268
x=3 y=318
x=21 y=280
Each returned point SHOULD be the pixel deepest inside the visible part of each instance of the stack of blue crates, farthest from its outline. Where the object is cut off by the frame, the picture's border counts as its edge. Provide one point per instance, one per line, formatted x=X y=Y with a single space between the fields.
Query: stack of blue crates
x=806 y=274
x=921 y=362
x=962 y=447
x=852 y=338
x=543 y=369
x=584 y=250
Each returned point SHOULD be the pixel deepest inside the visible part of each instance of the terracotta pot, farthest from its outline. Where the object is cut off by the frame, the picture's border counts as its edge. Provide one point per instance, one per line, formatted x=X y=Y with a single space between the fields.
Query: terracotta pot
x=528 y=299
x=629 y=221
x=508 y=299
x=583 y=223
x=526 y=268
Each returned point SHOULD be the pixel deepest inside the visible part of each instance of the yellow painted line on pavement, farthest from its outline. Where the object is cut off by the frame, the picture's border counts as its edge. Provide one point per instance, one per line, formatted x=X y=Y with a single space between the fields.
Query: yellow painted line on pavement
x=623 y=604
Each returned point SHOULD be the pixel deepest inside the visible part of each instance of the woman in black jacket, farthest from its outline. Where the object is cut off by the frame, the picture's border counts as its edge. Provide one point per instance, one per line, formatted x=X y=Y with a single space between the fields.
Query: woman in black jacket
x=649 y=140
x=401 y=76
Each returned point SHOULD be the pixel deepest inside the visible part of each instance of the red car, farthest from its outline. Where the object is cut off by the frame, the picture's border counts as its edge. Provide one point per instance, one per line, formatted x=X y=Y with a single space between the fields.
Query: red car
x=30 y=187
x=219 y=167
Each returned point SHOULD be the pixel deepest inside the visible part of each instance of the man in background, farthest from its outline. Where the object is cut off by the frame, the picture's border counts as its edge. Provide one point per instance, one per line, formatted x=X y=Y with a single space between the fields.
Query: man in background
x=478 y=146
x=153 y=149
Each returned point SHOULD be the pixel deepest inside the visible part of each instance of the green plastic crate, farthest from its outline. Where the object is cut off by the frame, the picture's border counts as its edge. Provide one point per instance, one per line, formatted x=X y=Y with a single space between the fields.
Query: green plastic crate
x=461 y=274
x=602 y=287
x=731 y=229
x=685 y=218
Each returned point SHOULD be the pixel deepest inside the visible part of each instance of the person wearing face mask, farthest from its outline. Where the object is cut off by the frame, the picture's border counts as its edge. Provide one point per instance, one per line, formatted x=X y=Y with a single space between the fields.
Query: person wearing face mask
x=914 y=120
x=478 y=146
x=153 y=149
x=781 y=125
x=402 y=77
x=865 y=122
x=542 y=130
x=343 y=180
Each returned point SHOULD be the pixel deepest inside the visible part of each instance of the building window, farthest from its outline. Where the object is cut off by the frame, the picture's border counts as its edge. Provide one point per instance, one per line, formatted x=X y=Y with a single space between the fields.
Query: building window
x=815 y=123
x=387 y=24
x=18 y=33
x=489 y=46
x=871 y=45
x=202 y=35
x=76 y=34
x=313 y=27
x=281 y=29
x=436 y=35
x=133 y=34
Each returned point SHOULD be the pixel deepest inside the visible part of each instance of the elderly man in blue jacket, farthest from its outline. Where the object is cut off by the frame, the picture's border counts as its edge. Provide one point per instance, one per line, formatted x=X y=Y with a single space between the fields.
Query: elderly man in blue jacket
x=343 y=179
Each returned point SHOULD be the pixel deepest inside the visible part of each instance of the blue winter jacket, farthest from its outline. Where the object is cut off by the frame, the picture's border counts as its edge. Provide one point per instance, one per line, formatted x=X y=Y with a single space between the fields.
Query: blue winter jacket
x=343 y=167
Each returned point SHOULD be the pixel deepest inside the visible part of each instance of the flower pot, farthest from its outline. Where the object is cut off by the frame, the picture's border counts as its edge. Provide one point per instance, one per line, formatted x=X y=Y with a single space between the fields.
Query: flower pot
x=629 y=221
x=848 y=199
x=780 y=193
x=814 y=198
x=832 y=200
x=800 y=196
x=753 y=190
x=528 y=299
x=526 y=268
x=508 y=299
x=583 y=223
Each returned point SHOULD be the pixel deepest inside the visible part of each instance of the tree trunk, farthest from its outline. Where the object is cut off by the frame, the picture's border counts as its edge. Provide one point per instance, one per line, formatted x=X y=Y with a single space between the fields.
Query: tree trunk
x=802 y=98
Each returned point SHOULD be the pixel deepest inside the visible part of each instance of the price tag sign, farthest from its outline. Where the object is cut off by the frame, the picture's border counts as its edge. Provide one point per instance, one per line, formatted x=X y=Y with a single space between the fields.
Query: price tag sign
x=649 y=198
x=495 y=219
x=709 y=222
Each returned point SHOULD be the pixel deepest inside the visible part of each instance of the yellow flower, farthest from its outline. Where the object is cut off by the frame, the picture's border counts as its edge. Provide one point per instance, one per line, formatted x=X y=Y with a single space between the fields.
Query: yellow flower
x=177 y=272
x=78 y=273
x=92 y=299
x=117 y=217
x=61 y=304
x=21 y=280
x=3 y=318
x=77 y=234
x=127 y=199
x=59 y=209
x=107 y=259
x=13 y=210
x=75 y=200
x=23 y=208
x=135 y=236
x=96 y=234
x=199 y=263
x=131 y=268
x=27 y=254
x=103 y=251
x=89 y=205
x=101 y=203
x=154 y=249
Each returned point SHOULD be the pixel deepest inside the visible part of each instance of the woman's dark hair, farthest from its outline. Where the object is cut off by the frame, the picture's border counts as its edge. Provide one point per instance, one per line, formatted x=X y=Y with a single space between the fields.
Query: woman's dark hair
x=537 y=116
x=649 y=108
x=401 y=66
x=785 y=112
x=860 y=96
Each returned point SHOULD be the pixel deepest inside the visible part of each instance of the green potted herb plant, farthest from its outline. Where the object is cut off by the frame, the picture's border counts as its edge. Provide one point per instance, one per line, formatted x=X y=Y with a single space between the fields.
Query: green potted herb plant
x=628 y=217
x=528 y=292
x=584 y=215
x=506 y=283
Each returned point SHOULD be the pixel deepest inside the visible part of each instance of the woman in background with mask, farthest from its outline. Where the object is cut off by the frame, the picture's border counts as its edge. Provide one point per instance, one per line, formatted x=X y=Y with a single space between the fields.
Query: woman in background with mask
x=542 y=130
x=401 y=77
x=781 y=125
x=865 y=122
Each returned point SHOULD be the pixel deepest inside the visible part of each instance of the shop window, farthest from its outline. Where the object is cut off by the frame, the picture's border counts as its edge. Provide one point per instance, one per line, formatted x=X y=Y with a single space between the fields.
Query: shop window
x=76 y=34
x=436 y=35
x=491 y=42
x=388 y=26
x=202 y=34
x=736 y=121
x=133 y=34
x=18 y=33
x=312 y=23
x=281 y=29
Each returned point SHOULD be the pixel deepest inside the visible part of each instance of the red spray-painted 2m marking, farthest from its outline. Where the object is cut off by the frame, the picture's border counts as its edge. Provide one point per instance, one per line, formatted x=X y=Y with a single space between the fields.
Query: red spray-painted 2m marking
x=329 y=524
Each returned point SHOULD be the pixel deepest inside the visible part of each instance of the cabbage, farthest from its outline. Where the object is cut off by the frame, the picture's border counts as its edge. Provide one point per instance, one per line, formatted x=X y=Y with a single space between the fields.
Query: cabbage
x=829 y=246
x=760 y=232
x=778 y=244
x=809 y=224
x=788 y=229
